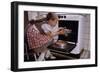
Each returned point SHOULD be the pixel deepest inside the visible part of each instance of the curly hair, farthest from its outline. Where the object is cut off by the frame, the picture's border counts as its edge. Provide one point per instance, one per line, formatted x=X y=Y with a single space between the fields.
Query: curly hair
x=51 y=16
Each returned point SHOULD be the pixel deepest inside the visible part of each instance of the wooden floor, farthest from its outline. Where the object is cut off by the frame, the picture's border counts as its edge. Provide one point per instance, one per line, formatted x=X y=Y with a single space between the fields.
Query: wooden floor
x=57 y=55
x=85 y=54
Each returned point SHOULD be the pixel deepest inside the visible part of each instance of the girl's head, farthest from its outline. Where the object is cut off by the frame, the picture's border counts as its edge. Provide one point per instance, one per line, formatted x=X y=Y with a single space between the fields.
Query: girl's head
x=32 y=22
x=52 y=18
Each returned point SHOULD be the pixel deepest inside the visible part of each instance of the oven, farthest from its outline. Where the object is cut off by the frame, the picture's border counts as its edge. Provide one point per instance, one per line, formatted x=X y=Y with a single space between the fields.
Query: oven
x=71 y=39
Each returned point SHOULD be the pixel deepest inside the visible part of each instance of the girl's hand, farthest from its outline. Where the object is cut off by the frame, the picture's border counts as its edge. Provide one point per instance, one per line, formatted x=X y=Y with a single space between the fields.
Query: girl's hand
x=61 y=31
x=68 y=30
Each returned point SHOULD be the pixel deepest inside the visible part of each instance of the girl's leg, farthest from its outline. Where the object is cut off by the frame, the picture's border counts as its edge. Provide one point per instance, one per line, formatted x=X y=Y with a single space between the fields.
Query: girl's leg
x=47 y=55
x=41 y=57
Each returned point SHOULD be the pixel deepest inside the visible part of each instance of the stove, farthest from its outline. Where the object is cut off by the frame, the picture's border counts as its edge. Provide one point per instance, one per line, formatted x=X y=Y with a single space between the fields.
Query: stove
x=71 y=39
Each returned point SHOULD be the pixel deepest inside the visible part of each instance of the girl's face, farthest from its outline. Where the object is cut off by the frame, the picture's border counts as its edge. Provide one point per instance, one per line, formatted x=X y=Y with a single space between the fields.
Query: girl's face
x=53 y=22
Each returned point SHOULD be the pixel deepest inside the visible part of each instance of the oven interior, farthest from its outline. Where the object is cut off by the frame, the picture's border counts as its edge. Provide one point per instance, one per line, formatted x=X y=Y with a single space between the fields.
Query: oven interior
x=69 y=24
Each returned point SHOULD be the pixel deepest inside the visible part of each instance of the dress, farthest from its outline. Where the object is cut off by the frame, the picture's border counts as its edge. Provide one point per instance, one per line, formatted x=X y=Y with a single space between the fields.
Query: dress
x=47 y=28
x=37 y=41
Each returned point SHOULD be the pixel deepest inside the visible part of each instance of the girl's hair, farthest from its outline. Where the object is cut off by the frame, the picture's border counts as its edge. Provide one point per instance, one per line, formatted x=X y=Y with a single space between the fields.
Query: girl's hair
x=51 y=16
x=32 y=22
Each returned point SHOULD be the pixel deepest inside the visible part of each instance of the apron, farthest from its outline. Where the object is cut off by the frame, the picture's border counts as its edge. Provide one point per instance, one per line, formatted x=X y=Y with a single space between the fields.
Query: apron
x=37 y=41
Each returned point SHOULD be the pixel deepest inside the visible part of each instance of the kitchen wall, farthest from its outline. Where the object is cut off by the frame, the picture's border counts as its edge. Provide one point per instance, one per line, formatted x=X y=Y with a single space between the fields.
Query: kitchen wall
x=36 y=15
x=85 y=36
x=32 y=15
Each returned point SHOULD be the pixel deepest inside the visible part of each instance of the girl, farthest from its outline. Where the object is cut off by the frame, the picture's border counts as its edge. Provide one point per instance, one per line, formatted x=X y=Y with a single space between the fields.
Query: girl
x=37 y=42
x=51 y=29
